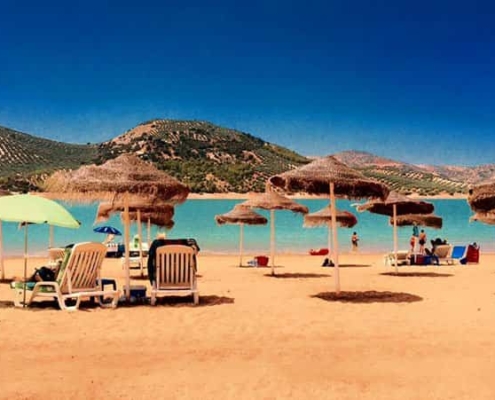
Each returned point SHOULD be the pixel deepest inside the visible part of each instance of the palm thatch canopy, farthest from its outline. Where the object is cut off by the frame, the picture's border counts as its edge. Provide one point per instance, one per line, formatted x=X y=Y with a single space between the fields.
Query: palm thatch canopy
x=481 y=198
x=404 y=205
x=429 y=220
x=315 y=178
x=4 y=192
x=271 y=200
x=486 y=218
x=124 y=175
x=241 y=215
x=159 y=214
x=345 y=219
x=160 y=219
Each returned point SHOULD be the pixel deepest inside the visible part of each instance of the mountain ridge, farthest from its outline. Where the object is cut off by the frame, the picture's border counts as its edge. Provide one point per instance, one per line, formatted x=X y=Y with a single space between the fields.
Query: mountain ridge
x=213 y=159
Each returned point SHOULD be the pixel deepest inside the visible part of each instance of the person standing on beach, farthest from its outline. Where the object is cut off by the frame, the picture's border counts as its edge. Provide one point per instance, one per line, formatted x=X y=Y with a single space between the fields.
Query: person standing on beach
x=354 y=241
x=422 y=241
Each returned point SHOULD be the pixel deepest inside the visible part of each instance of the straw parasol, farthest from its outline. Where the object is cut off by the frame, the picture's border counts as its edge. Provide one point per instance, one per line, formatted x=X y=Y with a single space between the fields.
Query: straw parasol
x=271 y=200
x=429 y=220
x=122 y=180
x=241 y=215
x=156 y=214
x=481 y=197
x=487 y=218
x=394 y=205
x=327 y=175
x=345 y=219
x=323 y=217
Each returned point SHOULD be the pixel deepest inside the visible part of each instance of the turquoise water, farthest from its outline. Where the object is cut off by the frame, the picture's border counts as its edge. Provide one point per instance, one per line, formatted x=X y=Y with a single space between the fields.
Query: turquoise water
x=195 y=218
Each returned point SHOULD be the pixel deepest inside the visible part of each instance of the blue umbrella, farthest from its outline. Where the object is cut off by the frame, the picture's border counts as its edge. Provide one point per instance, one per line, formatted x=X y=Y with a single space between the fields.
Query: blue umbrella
x=109 y=230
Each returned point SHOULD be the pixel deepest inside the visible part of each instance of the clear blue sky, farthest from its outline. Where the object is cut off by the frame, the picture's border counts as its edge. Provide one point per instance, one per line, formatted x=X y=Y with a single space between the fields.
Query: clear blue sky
x=414 y=81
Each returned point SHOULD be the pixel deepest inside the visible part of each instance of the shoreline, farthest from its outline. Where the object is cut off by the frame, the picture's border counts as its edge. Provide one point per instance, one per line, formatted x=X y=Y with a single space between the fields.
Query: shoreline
x=244 y=196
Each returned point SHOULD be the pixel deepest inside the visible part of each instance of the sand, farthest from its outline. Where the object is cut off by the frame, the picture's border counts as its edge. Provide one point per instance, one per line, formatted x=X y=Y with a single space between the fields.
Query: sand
x=258 y=336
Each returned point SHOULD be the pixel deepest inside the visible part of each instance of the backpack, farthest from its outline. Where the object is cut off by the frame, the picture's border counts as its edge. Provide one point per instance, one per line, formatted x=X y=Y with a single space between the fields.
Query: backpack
x=44 y=274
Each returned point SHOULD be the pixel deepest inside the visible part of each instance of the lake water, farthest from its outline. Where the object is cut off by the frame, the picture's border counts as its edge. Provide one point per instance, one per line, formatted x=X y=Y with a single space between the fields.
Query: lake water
x=195 y=218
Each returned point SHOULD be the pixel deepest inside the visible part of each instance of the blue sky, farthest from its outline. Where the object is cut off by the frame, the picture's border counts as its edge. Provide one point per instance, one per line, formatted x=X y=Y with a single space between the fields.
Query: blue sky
x=414 y=81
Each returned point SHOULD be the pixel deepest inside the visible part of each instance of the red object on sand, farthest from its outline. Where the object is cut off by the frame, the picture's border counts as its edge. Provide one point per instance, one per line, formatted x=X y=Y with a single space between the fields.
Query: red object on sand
x=320 y=252
x=262 y=261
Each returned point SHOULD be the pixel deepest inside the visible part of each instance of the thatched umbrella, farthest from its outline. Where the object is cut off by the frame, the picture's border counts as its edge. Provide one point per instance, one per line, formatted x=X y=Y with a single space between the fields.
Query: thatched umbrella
x=345 y=219
x=481 y=197
x=429 y=220
x=271 y=200
x=487 y=217
x=156 y=214
x=394 y=205
x=241 y=215
x=122 y=180
x=327 y=175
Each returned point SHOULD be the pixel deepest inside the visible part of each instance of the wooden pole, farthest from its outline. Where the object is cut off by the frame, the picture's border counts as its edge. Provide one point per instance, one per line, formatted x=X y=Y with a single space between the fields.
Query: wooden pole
x=241 y=241
x=50 y=239
x=335 y=239
x=272 y=239
x=126 y=248
x=149 y=233
x=395 y=237
x=140 y=242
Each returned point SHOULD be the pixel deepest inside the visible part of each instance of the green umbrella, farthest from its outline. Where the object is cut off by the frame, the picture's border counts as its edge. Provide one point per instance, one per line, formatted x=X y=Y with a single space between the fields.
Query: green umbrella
x=29 y=209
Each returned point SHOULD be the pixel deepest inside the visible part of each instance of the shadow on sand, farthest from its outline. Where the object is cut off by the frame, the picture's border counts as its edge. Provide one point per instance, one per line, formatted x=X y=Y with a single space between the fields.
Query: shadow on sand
x=416 y=274
x=369 y=297
x=297 y=275
x=186 y=301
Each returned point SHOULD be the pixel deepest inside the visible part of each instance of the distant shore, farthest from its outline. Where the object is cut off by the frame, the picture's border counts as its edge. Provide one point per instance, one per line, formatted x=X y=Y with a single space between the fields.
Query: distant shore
x=243 y=196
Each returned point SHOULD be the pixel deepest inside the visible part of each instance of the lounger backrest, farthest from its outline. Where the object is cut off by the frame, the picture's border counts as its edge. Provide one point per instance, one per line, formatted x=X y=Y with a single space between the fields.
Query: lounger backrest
x=175 y=267
x=82 y=269
x=443 y=250
x=459 y=252
x=55 y=254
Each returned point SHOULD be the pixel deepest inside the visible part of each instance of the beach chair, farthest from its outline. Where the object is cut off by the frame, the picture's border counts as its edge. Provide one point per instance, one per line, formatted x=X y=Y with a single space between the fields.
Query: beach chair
x=402 y=258
x=458 y=255
x=443 y=252
x=175 y=272
x=78 y=277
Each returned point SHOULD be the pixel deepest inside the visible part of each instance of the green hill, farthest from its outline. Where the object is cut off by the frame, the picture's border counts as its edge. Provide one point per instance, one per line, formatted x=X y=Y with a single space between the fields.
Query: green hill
x=24 y=159
x=211 y=158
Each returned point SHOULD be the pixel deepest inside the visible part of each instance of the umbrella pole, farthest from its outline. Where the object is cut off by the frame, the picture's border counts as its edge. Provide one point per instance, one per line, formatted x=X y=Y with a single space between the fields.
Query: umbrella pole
x=2 y=266
x=335 y=240
x=50 y=239
x=329 y=239
x=126 y=247
x=140 y=232
x=149 y=233
x=395 y=237
x=241 y=241
x=25 y=265
x=272 y=239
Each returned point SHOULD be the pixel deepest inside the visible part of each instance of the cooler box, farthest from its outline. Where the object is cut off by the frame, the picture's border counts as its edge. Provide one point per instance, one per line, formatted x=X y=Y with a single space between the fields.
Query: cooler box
x=473 y=254
x=262 y=261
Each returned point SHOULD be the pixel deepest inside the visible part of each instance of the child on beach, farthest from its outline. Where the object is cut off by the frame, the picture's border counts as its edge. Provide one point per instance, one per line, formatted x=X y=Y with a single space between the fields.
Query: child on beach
x=412 y=243
x=354 y=241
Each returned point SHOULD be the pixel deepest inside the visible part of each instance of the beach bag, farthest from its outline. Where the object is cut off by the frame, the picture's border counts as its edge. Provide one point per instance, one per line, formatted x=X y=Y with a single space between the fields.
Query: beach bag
x=44 y=274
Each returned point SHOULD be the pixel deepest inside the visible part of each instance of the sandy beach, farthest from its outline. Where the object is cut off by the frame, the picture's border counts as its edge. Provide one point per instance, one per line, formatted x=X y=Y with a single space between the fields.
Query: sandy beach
x=424 y=334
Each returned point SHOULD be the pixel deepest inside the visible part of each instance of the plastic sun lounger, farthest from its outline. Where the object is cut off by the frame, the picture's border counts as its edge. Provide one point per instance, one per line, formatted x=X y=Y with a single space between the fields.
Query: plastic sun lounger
x=458 y=255
x=175 y=272
x=78 y=277
x=402 y=258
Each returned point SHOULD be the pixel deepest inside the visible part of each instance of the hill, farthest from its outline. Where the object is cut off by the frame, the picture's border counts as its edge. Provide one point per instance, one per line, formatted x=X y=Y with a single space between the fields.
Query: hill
x=207 y=157
x=213 y=159
x=24 y=159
